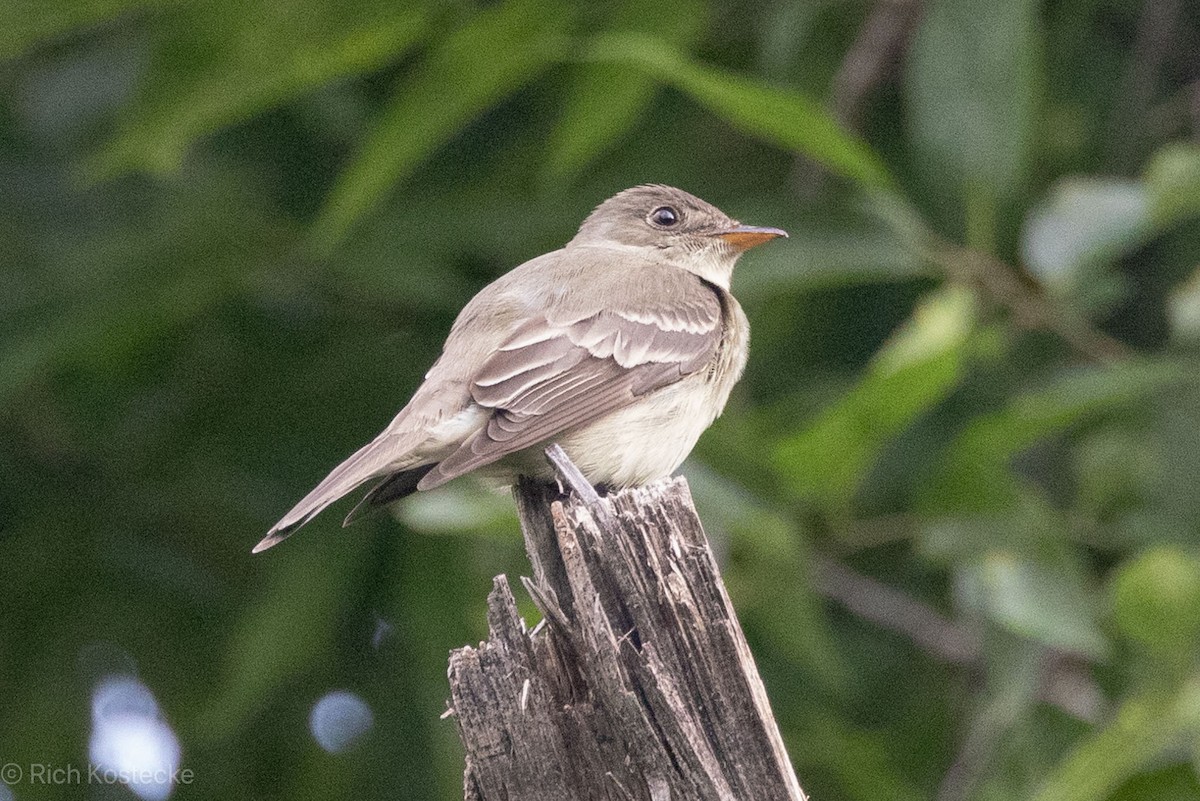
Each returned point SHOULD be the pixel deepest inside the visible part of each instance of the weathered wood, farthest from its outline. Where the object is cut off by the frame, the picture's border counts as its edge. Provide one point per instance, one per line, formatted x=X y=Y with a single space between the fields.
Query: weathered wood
x=638 y=685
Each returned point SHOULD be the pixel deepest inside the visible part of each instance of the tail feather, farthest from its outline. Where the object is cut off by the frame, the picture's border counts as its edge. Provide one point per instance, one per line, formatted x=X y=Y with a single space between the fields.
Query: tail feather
x=392 y=488
x=368 y=462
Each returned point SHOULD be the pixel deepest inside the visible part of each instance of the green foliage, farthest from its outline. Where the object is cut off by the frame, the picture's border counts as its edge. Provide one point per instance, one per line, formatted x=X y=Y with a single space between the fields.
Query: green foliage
x=1173 y=181
x=26 y=23
x=1156 y=601
x=603 y=101
x=1045 y=600
x=216 y=63
x=973 y=88
x=975 y=476
x=487 y=59
x=786 y=119
x=957 y=494
x=1141 y=730
x=908 y=377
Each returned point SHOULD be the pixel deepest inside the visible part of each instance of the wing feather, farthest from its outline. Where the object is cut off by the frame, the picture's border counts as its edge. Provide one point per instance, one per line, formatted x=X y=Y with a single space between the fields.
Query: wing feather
x=553 y=376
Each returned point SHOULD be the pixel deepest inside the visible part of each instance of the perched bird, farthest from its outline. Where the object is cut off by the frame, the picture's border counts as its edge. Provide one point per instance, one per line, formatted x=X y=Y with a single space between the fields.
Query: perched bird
x=622 y=347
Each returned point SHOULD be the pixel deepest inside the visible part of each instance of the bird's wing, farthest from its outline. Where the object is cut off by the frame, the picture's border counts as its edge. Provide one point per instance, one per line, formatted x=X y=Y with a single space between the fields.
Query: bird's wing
x=553 y=375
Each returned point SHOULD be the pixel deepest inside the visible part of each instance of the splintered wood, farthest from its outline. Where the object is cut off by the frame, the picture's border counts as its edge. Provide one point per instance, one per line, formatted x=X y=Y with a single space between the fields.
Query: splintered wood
x=638 y=684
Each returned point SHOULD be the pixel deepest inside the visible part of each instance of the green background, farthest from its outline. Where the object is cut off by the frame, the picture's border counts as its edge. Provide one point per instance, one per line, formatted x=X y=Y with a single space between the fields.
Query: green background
x=957 y=494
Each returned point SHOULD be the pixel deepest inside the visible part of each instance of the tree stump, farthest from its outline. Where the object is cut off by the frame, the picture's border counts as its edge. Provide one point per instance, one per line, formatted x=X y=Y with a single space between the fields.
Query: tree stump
x=638 y=684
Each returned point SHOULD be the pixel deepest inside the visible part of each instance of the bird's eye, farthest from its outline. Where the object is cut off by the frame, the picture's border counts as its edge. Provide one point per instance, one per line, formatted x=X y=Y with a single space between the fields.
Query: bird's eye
x=664 y=216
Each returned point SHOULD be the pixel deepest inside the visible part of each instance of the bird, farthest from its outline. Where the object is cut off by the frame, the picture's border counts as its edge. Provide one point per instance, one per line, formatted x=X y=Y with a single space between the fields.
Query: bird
x=622 y=347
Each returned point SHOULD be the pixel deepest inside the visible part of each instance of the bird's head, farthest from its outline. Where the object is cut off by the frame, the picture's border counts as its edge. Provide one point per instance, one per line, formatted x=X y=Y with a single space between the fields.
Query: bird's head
x=669 y=224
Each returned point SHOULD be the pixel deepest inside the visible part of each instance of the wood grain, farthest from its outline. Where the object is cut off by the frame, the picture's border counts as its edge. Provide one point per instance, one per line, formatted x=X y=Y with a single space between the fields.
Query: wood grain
x=639 y=683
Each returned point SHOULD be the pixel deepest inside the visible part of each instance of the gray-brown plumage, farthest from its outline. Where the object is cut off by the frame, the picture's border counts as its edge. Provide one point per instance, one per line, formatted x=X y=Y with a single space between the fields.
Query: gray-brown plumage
x=622 y=347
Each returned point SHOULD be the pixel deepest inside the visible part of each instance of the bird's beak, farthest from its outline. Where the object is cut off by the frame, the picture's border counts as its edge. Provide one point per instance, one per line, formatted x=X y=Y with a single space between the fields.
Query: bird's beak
x=744 y=237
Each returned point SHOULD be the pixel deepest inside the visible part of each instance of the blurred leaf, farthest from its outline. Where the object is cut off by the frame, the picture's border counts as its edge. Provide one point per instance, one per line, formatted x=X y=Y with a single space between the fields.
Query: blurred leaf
x=1028 y=526
x=462 y=509
x=222 y=62
x=1145 y=726
x=1169 y=783
x=1173 y=182
x=784 y=118
x=1116 y=469
x=23 y=23
x=1002 y=710
x=973 y=87
x=1176 y=448
x=975 y=475
x=603 y=101
x=1046 y=601
x=1183 y=308
x=923 y=362
x=1156 y=601
x=1084 y=221
x=498 y=51
x=820 y=256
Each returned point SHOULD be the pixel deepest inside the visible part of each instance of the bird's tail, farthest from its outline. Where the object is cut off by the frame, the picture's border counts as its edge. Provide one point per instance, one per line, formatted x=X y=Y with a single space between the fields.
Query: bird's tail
x=368 y=462
x=396 y=486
